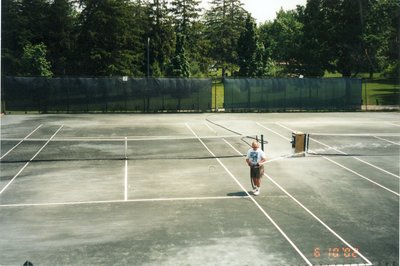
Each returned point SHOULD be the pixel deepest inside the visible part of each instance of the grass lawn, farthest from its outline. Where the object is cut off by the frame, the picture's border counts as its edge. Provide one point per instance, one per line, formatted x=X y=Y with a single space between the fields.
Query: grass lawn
x=376 y=91
x=381 y=92
x=217 y=94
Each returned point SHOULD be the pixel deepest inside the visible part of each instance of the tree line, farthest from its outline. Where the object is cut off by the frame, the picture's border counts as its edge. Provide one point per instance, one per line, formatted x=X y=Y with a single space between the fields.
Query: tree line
x=177 y=38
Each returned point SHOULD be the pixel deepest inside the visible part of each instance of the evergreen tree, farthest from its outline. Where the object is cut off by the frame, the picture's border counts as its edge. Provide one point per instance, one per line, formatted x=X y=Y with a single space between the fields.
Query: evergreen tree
x=186 y=18
x=346 y=39
x=34 y=21
x=110 y=43
x=10 y=41
x=260 y=60
x=185 y=14
x=61 y=39
x=247 y=48
x=224 y=23
x=161 y=36
x=315 y=51
x=180 y=66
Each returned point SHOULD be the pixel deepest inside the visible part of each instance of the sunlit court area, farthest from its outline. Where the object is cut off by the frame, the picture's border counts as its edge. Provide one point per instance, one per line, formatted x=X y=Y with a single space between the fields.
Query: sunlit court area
x=167 y=189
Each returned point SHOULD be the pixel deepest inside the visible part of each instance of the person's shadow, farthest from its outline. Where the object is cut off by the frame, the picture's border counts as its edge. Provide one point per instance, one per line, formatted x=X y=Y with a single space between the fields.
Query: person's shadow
x=238 y=194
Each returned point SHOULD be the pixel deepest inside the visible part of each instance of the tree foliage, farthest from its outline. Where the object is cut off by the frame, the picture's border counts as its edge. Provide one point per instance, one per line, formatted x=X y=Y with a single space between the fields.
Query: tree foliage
x=109 y=43
x=109 y=38
x=224 y=24
x=248 y=50
x=34 y=61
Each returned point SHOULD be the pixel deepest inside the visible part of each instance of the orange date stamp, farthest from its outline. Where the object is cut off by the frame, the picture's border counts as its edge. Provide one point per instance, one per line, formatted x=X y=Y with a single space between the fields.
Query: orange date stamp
x=336 y=252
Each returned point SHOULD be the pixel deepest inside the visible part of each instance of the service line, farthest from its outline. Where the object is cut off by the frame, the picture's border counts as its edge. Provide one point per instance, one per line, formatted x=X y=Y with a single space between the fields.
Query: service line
x=72 y=203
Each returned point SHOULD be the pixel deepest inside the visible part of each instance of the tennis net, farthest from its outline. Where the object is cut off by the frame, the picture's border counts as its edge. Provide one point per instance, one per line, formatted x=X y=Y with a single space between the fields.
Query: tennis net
x=378 y=144
x=123 y=148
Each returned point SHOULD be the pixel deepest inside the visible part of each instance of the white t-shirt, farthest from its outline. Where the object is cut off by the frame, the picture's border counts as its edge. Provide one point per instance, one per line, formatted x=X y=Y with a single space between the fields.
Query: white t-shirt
x=255 y=156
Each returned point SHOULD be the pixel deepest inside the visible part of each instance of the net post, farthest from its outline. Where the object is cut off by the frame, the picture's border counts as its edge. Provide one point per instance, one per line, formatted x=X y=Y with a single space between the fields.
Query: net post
x=262 y=142
x=126 y=148
x=307 y=143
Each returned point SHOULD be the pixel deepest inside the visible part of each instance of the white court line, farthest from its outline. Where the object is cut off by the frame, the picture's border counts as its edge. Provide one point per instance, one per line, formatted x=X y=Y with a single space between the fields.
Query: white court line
x=395 y=143
x=126 y=170
x=393 y=124
x=34 y=156
x=4 y=155
x=360 y=175
x=132 y=138
x=252 y=199
x=126 y=181
x=365 y=162
x=318 y=219
x=210 y=127
x=276 y=133
x=119 y=201
x=355 y=134
x=342 y=166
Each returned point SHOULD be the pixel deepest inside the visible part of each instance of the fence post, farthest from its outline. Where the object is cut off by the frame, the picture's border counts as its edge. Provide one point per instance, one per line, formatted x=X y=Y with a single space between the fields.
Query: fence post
x=215 y=95
x=365 y=95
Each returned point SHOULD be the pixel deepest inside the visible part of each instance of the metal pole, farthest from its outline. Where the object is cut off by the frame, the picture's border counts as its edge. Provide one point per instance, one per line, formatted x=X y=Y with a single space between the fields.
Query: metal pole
x=262 y=142
x=215 y=95
x=365 y=95
x=148 y=56
x=126 y=148
x=147 y=103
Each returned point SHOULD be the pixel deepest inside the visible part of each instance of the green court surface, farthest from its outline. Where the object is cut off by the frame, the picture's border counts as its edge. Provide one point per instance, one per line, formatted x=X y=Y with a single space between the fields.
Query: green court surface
x=174 y=189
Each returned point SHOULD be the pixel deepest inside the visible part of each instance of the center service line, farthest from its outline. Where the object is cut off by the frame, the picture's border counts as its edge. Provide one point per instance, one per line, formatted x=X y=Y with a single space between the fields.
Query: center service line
x=126 y=171
x=250 y=197
x=34 y=156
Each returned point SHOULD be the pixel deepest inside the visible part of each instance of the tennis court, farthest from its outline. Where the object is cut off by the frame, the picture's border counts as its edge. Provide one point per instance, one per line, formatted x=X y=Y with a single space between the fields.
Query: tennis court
x=174 y=189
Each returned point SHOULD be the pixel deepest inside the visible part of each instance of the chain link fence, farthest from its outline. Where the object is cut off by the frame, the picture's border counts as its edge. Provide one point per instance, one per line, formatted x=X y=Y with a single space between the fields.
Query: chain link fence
x=122 y=94
x=292 y=94
x=125 y=94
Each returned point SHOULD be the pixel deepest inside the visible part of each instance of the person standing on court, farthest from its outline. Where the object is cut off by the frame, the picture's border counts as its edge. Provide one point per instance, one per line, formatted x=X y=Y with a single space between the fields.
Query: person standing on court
x=255 y=159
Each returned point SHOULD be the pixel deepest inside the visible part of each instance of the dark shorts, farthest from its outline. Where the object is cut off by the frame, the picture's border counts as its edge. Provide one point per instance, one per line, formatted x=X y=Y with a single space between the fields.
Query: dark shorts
x=257 y=172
